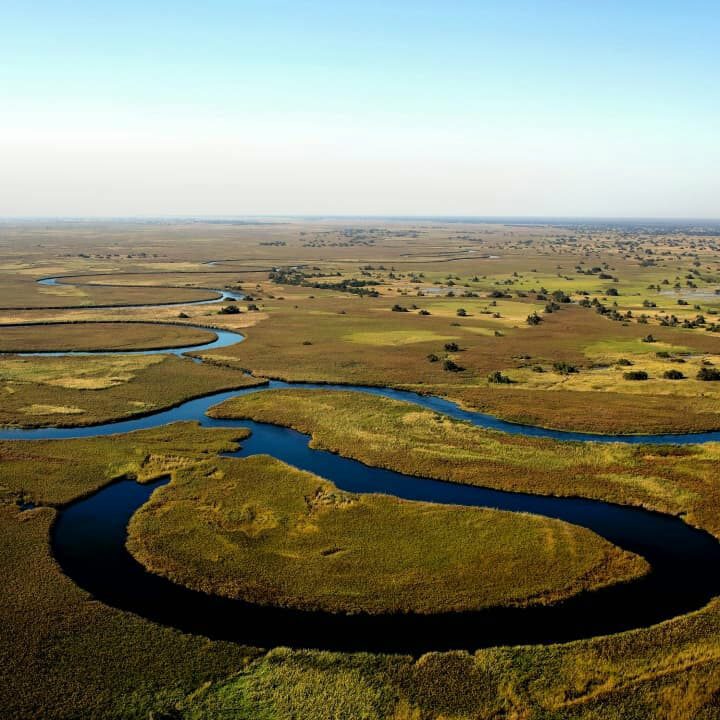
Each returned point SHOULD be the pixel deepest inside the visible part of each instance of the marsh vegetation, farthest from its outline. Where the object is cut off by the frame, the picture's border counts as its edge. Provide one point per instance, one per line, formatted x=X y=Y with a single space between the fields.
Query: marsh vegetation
x=536 y=324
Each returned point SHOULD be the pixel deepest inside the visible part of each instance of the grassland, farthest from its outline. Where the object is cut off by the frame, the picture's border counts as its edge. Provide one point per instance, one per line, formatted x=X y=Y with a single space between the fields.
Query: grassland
x=55 y=472
x=260 y=530
x=68 y=656
x=64 y=655
x=97 y=336
x=19 y=290
x=399 y=436
x=79 y=390
x=345 y=339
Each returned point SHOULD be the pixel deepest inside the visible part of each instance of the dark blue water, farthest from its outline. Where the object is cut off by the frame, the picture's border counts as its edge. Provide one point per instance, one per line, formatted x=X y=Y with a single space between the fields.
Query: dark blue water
x=89 y=543
x=195 y=410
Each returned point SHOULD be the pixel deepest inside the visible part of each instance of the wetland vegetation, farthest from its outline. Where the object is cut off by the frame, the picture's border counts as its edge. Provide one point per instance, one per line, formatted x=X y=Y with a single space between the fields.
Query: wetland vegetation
x=315 y=300
x=257 y=529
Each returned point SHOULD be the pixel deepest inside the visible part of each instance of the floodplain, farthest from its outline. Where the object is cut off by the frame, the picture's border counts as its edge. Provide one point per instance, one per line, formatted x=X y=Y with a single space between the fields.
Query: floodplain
x=606 y=328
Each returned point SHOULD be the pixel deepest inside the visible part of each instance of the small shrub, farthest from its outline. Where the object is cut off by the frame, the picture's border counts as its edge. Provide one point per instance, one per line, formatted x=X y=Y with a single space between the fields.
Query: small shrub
x=636 y=375
x=229 y=310
x=708 y=374
x=564 y=368
x=451 y=347
x=673 y=375
x=451 y=366
x=624 y=362
x=498 y=378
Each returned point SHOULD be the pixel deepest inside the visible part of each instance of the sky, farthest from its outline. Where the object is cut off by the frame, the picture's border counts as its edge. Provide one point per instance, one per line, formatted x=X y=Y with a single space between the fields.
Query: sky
x=514 y=108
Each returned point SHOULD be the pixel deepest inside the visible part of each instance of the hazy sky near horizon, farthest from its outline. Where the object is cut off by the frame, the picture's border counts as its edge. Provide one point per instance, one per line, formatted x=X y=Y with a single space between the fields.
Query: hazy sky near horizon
x=552 y=107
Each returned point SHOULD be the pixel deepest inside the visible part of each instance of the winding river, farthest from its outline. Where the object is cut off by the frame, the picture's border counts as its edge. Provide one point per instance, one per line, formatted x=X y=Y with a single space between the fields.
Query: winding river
x=89 y=544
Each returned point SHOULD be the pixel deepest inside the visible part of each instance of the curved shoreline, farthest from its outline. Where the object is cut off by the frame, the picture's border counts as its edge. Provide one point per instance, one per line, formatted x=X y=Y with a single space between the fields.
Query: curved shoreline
x=106 y=351
x=89 y=544
x=88 y=540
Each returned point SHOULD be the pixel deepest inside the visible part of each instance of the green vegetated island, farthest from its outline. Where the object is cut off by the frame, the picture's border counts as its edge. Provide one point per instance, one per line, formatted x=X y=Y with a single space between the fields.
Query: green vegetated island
x=609 y=329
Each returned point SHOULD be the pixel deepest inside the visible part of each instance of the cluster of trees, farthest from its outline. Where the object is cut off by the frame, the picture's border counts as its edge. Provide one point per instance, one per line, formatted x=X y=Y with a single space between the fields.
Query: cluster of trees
x=564 y=368
x=708 y=374
x=229 y=310
x=449 y=365
x=303 y=279
x=705 y=373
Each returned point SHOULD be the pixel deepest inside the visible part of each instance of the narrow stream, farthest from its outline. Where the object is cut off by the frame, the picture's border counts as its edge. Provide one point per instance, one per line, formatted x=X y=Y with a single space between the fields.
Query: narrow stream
x=89 y=543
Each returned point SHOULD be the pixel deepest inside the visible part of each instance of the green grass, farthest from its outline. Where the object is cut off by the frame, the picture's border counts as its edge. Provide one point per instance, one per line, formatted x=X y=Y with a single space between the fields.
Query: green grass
x=397 y=337
x=89 y=390
x=400 y=436
x=64 y=655
x=351 y=340
x=56 y=472
x=260 y=530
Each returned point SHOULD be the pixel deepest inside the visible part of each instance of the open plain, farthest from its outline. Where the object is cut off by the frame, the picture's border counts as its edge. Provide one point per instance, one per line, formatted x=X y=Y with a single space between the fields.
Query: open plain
x=413 y=355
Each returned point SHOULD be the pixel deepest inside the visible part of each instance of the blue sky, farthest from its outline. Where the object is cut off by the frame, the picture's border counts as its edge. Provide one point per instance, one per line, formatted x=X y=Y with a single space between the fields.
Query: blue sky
x=487 y=108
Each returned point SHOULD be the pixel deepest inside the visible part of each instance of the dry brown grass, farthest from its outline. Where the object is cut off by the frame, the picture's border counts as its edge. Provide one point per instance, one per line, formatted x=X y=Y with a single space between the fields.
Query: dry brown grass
x=96 y=336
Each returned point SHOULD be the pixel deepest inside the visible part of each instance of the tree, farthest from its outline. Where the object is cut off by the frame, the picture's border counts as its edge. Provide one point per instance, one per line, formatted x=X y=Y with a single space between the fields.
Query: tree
x=564 y=368
x=708 y=374
x=461 y=312
x=229 y=310
x=497 y=378
x=534 y=319
x=451 y=347
x=673 y=375
x=451 y=366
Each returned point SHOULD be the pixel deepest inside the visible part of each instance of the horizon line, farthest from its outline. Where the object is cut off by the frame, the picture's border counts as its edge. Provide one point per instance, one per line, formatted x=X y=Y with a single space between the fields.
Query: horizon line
x=369 y=216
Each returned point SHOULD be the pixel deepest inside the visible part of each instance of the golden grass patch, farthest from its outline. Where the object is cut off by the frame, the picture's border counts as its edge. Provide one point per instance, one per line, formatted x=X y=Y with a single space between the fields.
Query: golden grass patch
x=39 y=409
x=265 y=532
x=397 y=337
